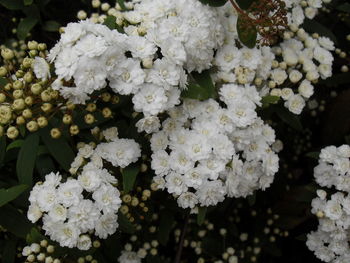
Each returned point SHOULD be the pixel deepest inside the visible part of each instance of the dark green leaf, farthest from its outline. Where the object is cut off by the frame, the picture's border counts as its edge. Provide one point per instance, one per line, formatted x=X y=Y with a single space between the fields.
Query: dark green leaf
x=291 y=119
x=7 y=195
x=9 y=215
x=110 y=22
x=165 y=226
x=247 y=33
x=214 y=2
x=9 y=253
x=25 y=26
x=26 y=159
x=15 y=144
x=28 y=2
x=58 y=148
x=244 y=4
x=312 y=26
x=3 y=81
x=201 y=88
x=44 y=165
x=22 y=130
x=51 y=26
x=2 y=149
x=337 y=79
x=344 y=7
x=12 y=4
x=125 y=225
x=201 y=215
x=129 y=176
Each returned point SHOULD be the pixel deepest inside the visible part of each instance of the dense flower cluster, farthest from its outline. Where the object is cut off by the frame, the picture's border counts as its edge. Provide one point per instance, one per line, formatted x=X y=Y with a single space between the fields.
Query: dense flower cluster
x=299 y=60
x=75 y=207
x=205 y=152
x=330 y=242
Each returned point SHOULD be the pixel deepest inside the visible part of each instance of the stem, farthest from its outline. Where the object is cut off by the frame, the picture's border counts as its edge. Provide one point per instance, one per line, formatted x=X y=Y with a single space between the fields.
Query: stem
x=182 y=239
x=237 y=7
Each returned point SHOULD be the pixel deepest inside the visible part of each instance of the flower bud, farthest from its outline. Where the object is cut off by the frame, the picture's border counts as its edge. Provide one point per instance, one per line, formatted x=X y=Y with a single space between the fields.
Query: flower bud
x=42 y=122
x=20 y=120
x=17 y=94
x=55 y=133
x=7 y=54
x=36 y=88
x=89 y=118
x=27 y=113
x=28 y=77
x=17 y=84
x=42 y=47
x=27 y=62
x=33 y=45
x=67 y=119
x=74 y=129
x=106 y=112
x=12 y=132
x=3 y=71
x=18 y=104
x=2 y=97
x=32 y=126
x=46 y=107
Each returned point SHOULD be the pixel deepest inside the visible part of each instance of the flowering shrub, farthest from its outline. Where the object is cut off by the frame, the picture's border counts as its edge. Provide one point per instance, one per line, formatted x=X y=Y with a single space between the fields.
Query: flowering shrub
x=135 y=130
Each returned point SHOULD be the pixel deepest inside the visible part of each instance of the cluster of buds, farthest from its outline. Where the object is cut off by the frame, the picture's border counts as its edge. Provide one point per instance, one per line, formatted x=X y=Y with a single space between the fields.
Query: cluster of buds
x=29 y=102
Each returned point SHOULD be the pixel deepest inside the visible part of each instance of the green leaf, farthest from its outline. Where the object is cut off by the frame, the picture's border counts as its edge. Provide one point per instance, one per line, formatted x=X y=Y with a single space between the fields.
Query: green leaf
x=110 y=22
x=58 y=148
x=244 y=4
x=247 y=33
x=3 y=81
x=214 y=2
x=129 y=176
x=28 y=2
x=25 y=26
x=291 y=119
x=125 y=225
x=9 y=215
x=344 y=7
x=122 y=4
x=12 y=4
x=267 y=100
x=165 y=225
x=34 y=236
x=312 y=26
x=202 y=211
x=51 y=26
x=2 y=149
x=9 y=252
x=7 y=195
x=44 y=165
x=15 y=144
x=26 y=159
x=201 y=88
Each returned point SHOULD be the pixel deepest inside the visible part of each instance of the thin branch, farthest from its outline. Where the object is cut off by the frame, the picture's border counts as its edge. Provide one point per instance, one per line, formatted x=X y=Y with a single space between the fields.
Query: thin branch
x=182 y=239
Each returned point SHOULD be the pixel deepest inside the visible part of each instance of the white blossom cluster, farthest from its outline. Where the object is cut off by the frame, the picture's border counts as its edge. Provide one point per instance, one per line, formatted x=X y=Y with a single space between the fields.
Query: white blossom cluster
x=330 y=242
x=176 y=35
x=300 y=60
x=72 y=209
x=205 y=152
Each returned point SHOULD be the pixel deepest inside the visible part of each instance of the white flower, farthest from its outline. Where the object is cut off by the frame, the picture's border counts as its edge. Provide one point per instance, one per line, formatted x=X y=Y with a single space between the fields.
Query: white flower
x=129 y=257
x=66 y=234
x=90 y=178
x=70 y=193
x=295 y=104
x=187 y=200
x=120 y=152
x=34 y=212
x=58 y=213
x=148 y=124
x=41 y=68
x=84 y=242
x=110 y=134
x=84 y=215
x=107 y=198
x=150 y=100
x=106 y=225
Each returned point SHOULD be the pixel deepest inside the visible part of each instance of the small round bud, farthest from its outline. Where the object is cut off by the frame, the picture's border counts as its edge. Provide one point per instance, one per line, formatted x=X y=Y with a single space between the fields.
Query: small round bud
x=17 y=94
x=45 y=96
x=96 y=3
x=50 y=249
x=28 y=77
x=2 y=97
x=67 y=119
x=7 y=54
x=89 y=118
x=44 y=243
x=40 y=257
x=74 y=129
x=36 y=89
x=115 y=99
x=17 y=84
x=3 y=71
x=20 y=120
x=18 y=104
x=105 y=7
x=344 y=68
x=48 y=259
x=27 y=62
x=70 y=106
x=19 y=73
x=81 y=15
x=33 y=53
x=147 y=63
x=32 y=126
x=106 y=112
x=12 y=132
x=27 y=113
x=55 y=133
x=91 y=107
x=106 y=97
x=32 y=45
x=46 y=107
x=28 y=100
x=42 y=47
x=96 y=244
